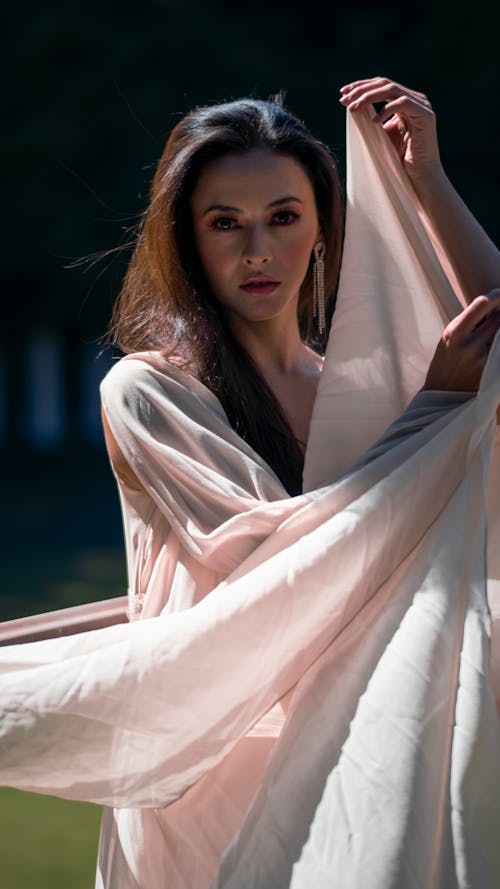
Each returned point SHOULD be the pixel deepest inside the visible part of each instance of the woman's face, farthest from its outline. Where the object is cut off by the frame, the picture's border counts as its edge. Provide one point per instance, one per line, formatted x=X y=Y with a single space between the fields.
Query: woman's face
x=255 y=225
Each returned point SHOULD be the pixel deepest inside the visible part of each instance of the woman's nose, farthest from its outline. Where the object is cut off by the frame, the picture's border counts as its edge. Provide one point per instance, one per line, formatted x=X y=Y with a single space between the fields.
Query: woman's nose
x=257 y=248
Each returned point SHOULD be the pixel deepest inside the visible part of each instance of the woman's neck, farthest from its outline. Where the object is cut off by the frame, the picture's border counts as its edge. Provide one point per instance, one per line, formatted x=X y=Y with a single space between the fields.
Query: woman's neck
x=289 y=367
x=276 y=349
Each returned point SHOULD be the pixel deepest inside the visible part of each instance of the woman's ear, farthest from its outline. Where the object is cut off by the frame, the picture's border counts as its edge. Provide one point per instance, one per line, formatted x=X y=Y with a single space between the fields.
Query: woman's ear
x=320 y=238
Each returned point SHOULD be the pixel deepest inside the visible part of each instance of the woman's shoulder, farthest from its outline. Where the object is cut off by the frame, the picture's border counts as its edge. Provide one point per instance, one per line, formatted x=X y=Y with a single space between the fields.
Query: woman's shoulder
x=152 y=374
x=136 y=367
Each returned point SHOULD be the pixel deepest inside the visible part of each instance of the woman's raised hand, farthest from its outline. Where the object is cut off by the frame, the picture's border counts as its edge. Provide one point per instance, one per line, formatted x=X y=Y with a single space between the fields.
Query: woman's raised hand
x=462 y=352
x=407 y=117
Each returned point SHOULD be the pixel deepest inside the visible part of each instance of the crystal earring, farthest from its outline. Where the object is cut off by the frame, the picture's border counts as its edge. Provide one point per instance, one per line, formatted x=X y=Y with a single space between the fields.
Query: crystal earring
x=319 y=285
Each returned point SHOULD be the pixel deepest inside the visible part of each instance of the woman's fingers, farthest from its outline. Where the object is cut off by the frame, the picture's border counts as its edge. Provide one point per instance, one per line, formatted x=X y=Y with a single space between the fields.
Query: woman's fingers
x=481 y=338
x=475 y=313
x=350 y=86
x=406 y=116
x=461 y=355
x=379 y=89
x=376 y=82
x=405 y=106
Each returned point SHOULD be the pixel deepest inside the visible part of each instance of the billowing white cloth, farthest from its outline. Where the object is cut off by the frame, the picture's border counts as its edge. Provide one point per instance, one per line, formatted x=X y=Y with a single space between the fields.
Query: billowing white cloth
x=306 y=699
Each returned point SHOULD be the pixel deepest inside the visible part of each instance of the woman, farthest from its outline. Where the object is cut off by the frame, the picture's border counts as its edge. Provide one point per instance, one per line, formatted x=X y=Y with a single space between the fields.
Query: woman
x=230 y=724
x=192 y=266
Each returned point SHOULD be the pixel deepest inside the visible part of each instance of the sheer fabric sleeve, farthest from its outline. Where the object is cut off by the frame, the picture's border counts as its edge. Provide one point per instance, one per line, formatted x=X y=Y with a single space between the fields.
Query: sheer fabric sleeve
x=219 y=496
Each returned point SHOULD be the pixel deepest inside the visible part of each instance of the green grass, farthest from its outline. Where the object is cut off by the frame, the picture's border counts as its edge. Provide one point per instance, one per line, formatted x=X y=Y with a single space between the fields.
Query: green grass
x=62 y=546
x=47 y=843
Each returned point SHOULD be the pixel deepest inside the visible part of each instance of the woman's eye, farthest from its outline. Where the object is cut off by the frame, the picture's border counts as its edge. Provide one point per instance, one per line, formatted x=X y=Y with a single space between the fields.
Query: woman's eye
x=285 y=217
x=223 y=223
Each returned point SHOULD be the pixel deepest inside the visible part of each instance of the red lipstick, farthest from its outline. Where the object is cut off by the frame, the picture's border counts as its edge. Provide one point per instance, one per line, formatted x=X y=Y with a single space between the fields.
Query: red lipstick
x=260 y=284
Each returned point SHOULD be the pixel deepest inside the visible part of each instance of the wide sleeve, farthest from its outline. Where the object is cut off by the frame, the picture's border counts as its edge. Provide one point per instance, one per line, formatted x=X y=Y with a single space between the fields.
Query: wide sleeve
x=219 y=496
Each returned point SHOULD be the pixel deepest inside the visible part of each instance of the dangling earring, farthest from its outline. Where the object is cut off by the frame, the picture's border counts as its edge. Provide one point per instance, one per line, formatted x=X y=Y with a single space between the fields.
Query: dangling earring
x=319 y=285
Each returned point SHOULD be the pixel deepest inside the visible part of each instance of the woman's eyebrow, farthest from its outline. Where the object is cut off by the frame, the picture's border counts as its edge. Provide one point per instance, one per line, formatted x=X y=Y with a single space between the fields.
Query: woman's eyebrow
x=226 y=208
x=286 y=200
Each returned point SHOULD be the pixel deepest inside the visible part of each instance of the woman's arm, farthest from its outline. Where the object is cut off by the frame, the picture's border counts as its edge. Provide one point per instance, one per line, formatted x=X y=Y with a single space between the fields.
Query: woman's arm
x=410 y=122
x=474 y=257
x=168 y=437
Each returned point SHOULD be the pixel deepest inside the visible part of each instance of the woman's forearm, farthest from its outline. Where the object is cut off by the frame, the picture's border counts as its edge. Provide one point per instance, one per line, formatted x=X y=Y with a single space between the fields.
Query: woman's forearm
x=473 y=255
x=410 y=123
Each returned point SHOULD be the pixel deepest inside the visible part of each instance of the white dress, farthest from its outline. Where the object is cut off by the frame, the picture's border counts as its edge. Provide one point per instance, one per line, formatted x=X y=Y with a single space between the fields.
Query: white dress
x=304 y=696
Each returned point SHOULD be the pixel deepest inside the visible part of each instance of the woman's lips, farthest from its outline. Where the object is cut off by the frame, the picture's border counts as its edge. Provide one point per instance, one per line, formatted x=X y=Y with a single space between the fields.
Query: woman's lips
x=258 y=287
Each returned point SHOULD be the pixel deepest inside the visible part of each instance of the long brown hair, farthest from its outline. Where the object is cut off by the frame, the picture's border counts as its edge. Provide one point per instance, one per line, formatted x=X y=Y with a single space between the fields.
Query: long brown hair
x=166 y=302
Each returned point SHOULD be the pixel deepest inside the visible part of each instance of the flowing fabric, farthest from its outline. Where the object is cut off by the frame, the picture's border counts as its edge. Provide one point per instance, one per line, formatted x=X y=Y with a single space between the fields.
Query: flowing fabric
x=304 y=695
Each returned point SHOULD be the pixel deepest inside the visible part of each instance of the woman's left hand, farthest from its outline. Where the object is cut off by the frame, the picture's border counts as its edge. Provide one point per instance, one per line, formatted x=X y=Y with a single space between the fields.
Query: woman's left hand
x=463 y=350
x=407 y=118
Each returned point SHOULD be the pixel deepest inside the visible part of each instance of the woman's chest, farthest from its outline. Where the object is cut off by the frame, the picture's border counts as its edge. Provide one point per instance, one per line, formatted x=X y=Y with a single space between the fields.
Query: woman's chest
x=297 y=399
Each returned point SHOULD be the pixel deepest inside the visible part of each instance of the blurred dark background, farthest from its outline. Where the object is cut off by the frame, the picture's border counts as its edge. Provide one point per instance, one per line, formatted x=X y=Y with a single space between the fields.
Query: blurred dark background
x=91 y=92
